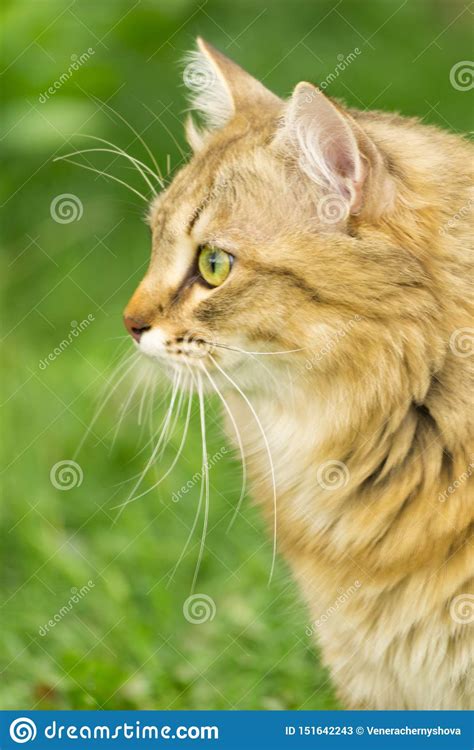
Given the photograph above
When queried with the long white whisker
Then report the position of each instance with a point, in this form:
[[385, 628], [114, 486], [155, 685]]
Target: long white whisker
[[143, 400], [241, 447], [155, 450], [123, 411], [204, 479], [122, 151], [134, 131], [194, 524], [153, 432], [107, 398], [267, 446], [172, 427], [244, 351], [170, 132], [105, 174], [119, 153], [175, 460]]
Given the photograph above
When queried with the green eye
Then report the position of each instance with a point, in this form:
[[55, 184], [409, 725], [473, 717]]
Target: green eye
[[214, 265]]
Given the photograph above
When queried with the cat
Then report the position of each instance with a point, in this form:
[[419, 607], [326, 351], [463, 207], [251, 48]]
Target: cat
[[318, 258]]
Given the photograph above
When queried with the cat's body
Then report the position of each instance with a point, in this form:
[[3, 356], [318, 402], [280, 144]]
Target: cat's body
[[368, 415], [386, 529]]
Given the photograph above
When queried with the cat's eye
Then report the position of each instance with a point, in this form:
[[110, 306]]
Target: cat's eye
[[214, 264]]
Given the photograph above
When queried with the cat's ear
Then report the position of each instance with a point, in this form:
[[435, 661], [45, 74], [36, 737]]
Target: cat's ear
[[323, 139], [219, 88]]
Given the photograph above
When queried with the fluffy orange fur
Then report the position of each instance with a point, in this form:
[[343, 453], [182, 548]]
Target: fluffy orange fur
[[351, 233]]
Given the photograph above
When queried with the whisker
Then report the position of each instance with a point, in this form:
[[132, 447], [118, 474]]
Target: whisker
[[150, 461], [267, 446], [134, 131], [104, 174], [119, 153], [123, 411], [204, 480], [241, 447], [122, 151], [244, 351], [193, 527], [143, 399], [171, 427], [170, 132], [175, 460], [153, 432], [91, 424]]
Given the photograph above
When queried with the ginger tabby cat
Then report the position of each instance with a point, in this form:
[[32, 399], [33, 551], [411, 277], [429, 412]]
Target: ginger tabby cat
[[326, 236]]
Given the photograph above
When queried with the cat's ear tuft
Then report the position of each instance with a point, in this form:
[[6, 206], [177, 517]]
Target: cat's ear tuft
[[321, 136], [195, 135], [219, 88]]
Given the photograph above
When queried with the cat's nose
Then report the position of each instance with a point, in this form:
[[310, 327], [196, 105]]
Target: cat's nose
[[135, 326]]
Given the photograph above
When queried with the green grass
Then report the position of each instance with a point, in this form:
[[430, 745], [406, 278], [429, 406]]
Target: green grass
[[126, 643]]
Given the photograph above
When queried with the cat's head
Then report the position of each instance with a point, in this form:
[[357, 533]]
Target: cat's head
[[258, 242]]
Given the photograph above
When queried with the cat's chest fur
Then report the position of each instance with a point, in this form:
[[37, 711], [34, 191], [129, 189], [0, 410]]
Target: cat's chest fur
[[287, 443]]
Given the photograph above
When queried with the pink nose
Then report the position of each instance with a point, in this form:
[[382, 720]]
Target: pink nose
[[135, 326]]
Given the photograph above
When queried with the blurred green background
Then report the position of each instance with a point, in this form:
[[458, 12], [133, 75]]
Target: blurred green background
[[126, 643]]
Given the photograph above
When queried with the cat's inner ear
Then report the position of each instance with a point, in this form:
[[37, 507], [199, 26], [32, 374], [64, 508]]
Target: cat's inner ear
[[219, 89], [324, 143]]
